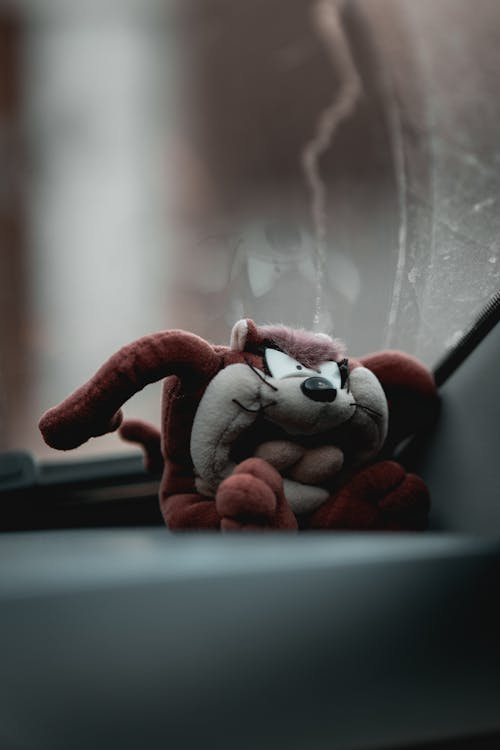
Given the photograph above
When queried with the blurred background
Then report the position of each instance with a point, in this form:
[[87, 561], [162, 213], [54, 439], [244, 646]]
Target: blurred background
[[327, 164]]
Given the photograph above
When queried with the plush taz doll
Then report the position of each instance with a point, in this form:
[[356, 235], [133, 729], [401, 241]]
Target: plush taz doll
[[277, 431]]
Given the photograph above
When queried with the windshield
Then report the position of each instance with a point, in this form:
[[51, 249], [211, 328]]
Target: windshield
[[184, 164]]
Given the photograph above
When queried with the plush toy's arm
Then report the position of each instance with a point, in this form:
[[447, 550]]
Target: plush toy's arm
[[94, 409], [381, 497], [410, 390]]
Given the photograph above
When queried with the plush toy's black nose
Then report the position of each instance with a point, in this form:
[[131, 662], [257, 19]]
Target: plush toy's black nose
[[318, 389]]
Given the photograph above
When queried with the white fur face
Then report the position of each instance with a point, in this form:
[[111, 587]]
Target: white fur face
[[300, 400], [300, 410]]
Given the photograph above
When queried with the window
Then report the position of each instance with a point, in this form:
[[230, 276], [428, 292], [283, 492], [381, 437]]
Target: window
[[185, 164]]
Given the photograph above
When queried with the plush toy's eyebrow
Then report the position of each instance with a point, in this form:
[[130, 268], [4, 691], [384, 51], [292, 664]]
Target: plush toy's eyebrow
[[344, 371], [259, 375], [306, 347], [262, 352], [271, 345]]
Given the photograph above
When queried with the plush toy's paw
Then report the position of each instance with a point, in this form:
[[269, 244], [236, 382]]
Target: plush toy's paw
[[252, 498], [380, 497], [149, 438], [189, 512], [406, 507], [67, 431]]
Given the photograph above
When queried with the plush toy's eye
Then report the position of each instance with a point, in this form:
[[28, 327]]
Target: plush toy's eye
[[281, 365], [332, 371], [344, 373]]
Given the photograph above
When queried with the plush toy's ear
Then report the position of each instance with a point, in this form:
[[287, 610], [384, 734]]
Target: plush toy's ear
[[410, 390], [244, 335], [94, 409]]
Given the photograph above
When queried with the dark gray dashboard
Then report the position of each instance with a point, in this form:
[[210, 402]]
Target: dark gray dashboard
[[142, 639]]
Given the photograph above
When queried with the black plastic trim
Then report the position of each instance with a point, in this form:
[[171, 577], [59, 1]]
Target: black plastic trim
[[486, 320], [113, 491]]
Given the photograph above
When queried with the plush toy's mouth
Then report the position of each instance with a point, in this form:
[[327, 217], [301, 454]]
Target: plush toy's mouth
[[301, 428], [262, 430], [258, 410], [372, 413]]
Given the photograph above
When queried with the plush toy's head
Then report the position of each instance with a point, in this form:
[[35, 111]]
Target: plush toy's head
[[293, 398], [284, 395]]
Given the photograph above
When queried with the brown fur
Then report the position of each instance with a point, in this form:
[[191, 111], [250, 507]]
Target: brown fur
[[377, 496], [307, 348]]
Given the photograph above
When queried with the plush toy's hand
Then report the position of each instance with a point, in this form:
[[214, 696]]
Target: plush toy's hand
[[382, 497], [252, 498], [67, 430], [189, 512]]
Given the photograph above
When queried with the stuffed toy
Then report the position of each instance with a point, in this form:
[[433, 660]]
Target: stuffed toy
[[280, 430]]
